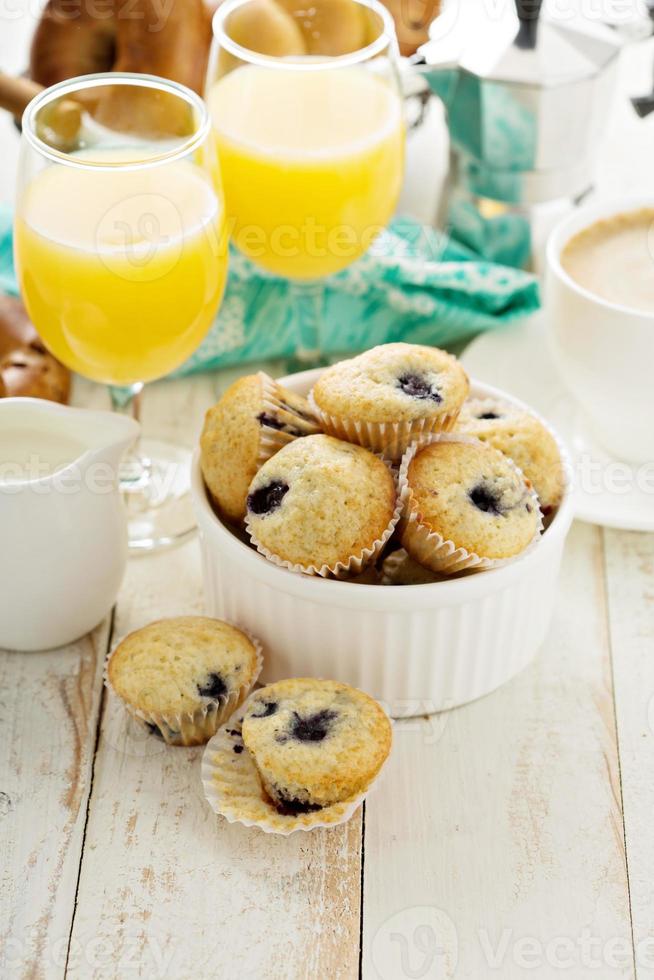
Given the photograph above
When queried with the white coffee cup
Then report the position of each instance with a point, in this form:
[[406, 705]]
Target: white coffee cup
[[604, 351]]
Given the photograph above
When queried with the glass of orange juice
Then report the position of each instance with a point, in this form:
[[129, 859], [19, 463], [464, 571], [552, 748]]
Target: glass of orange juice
[[307, 113], [120, 252]]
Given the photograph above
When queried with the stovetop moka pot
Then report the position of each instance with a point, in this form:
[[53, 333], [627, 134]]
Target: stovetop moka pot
[[527, 93]]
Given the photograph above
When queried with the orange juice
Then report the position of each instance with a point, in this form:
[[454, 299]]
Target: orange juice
[[311, 162], [121, 270]]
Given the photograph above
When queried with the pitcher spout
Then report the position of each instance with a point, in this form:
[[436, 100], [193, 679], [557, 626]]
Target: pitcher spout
[[62, 435], [114, 435]]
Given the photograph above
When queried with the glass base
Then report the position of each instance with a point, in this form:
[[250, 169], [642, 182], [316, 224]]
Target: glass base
[[307, 300], [156, 488]]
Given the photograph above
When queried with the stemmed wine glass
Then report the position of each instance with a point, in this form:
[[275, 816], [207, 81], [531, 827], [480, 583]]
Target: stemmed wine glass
[[311, 142], [120, 252]]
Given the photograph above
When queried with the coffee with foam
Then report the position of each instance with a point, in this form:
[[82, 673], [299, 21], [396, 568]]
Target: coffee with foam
[[614, 259]]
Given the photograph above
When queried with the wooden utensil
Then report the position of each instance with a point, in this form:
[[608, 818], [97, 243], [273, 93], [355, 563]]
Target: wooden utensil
[[60, 124]]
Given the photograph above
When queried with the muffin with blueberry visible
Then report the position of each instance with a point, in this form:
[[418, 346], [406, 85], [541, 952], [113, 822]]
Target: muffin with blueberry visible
[[322, 507], [466, 505], [523, 437], [391, 396], [253, 420], [183, 677], [315, 742]]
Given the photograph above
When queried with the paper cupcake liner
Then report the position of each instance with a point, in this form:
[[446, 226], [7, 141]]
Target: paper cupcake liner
[[192, 727], [354, 565], [281, 404], [430, 548], [390, 439], [234, 789]]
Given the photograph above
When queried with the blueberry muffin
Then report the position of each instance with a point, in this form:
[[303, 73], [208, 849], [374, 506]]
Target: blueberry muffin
[[322, 506], [315, 742], [466, 505], [523, 438], [253, 420], [391, 396], [183, 677]]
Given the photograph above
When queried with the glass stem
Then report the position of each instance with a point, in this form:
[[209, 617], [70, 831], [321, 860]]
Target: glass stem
[[307, 304], [135, 469]]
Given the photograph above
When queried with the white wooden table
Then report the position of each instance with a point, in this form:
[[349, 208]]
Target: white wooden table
[[513, 838]]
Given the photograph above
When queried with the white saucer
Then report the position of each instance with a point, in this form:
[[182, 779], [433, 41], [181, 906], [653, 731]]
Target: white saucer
[[607, 491]]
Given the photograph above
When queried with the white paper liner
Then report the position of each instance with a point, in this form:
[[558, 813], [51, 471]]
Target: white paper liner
[[430, 548], [192, 727], [233, 788], [354, 565], [277, 402], [390, 439], [501, 405]]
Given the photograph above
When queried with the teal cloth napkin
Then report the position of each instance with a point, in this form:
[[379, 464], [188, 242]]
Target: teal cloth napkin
[[416, 284]]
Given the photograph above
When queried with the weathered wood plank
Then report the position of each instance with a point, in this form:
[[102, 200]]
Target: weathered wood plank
[[501, 845], [630, 580], [48, 718], [167, 888]]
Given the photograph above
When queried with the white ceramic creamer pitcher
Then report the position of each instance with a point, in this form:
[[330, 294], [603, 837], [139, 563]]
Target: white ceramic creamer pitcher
[[63, 530]]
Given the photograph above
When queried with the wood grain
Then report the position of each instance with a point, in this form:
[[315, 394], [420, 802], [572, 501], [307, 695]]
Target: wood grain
[[501, 845], [48, 716], [630, 581]]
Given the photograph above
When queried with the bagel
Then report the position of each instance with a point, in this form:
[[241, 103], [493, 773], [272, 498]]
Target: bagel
[[71, 39], [171, 38], [329, 27], [26, 367], [79, 37], [412, 21]]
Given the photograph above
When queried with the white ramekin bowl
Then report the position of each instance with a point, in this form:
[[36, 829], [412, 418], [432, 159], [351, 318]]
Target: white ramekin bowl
[[418, 649]]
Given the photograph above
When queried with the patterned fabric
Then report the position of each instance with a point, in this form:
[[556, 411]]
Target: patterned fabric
[[415, 284]]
